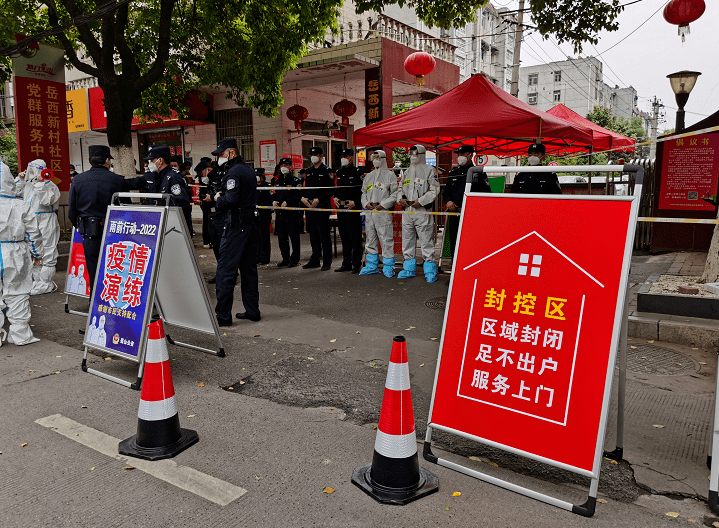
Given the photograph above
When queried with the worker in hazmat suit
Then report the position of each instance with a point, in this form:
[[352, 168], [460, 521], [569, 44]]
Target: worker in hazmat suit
[[17, 225], [43, 196], [416, 195], [378, 194]]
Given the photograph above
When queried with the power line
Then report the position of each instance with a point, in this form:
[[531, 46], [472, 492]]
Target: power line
[[640, 25]]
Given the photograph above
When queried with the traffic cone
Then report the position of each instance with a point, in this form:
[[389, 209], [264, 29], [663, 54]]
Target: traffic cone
[[158, 426], [394, 476]]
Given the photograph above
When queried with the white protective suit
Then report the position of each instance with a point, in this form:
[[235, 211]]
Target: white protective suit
[[379, 186], [17, 225], [43, 197], [100, 335], [420, 184]]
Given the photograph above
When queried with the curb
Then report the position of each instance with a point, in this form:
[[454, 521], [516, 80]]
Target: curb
[[701, 333]]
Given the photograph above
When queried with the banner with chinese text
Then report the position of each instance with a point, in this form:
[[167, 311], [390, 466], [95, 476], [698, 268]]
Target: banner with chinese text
[[41, 112], [123, 296], [532, 325], [690, 172], [77, 282], [77, 116]]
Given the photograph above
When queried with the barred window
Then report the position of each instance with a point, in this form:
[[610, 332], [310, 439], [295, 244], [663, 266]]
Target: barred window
[[237, 123]]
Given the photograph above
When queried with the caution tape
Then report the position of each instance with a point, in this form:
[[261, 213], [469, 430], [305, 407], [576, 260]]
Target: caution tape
[[360, 211], [658, 220]]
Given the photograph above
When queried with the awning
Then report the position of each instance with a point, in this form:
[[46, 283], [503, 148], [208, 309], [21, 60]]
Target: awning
[[602, 139]]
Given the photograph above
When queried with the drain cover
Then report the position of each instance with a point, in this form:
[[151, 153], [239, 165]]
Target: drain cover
[[647, 359], [437, 303]]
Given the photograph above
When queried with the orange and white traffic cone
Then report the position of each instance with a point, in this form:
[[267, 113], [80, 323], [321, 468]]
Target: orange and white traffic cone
[[158, 426], [394, 476]]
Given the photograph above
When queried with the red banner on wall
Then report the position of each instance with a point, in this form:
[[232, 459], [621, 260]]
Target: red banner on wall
[[41, 112], [690, 171]]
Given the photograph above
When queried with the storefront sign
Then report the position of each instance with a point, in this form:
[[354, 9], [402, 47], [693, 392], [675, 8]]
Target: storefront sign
[[121, 301], [296, 160], [373, 96], [690, 171], [77, 118]]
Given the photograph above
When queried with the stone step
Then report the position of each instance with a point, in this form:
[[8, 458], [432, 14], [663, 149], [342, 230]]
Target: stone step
[[680, 330]]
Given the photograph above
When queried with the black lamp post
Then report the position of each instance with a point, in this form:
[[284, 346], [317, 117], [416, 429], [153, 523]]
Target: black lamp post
[[682, 83]]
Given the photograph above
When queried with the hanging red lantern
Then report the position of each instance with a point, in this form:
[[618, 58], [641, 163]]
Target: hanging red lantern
[[345, 109], [419, 64], [682, 12], [297, 114]]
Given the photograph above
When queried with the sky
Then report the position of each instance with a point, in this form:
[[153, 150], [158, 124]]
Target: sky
[[647, 56]]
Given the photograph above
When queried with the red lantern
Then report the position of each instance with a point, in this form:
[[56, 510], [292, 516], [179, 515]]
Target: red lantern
[[419, 64], [682, 12], [297, 114], [345, 109]]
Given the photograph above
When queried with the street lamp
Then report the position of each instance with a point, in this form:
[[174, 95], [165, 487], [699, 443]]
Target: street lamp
[[682, 83]]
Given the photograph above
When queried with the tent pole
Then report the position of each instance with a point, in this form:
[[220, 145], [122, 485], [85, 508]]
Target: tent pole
[[590, 173]]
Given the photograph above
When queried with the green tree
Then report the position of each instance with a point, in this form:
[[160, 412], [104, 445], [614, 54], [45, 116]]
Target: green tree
[[8, 147]]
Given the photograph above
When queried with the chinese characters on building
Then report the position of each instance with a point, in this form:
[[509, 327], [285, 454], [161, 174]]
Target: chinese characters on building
[[373, 96]]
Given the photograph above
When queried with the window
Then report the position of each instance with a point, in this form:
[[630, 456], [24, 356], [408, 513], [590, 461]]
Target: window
[[557, 76], [557, 96], [533, 79], [237, 123], [532, 99]]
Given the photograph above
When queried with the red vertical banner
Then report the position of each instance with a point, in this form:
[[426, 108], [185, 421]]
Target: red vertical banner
[[41, 112]]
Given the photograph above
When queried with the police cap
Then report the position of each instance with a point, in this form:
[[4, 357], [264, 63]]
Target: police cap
[[348, 152], [538, 148], [259, 171], [285, 161], [201, 166], [317, 150], [465, 149], [227, 143], [158, 151], [99, 151]]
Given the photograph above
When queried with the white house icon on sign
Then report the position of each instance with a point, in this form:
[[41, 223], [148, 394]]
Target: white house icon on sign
[[524, 261]]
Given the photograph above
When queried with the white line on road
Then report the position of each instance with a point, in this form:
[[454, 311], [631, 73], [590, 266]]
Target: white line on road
[[186, 478]]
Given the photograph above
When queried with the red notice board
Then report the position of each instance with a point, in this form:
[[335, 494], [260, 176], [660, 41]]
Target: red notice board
[[532, 325], [690, 171]]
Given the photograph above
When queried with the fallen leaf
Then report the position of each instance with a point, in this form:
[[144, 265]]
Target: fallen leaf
[[23, 445], [359, 332], [644, 357], [601, 501], [494, 464], [374, 426], [476, 458], [457, 494], [129, 467], [31, 371], [279, 339], [422, 365], [201, 384], [83, 406], [715, 523], [191, 415], [108, 358], [57, 372], [257, 477], [658, 426], [256, 335], [692, 349], [329, 490], [433, 338], [447, 508], [230, 388], [672, 514], [295, 288], [702, 363], [224, 334], [412, 327], [333, 340], [692, 520], [614, 462], [92, 469], [632, 346], [652, 341], [242, 382], [274, 353], [58, 356], [311, 359]]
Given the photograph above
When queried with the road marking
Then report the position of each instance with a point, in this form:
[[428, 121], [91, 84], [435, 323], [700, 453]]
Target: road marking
[[186, 478]]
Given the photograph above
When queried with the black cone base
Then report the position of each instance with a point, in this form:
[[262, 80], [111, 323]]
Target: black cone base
[[131, 448], [428, 483]]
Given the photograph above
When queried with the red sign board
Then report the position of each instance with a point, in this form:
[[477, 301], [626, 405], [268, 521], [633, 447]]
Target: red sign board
[[532, 325], [690, 171]]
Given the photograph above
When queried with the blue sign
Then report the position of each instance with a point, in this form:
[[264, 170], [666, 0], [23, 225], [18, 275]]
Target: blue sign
[[121, 300]]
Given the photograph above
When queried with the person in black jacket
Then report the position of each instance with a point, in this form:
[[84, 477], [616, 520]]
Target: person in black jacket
[[536, 182], [202, 170], [264, 219], [287, 225], [171, 182], [453, 194], [90, 196], [349, 196], [236, 201], [318, 222]]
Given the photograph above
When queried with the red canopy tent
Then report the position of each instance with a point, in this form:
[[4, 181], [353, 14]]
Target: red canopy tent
[[603, 139], [480, 114]]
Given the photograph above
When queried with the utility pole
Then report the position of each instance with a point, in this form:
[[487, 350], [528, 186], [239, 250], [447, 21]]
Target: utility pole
[[656, 105], [517, 50]]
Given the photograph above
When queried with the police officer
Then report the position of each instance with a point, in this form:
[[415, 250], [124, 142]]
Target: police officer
[[90, 195], [202, 170], [236, 201], [287, 223], [536, 182], [217, 219], [318, 222], [264, 218], [453, 194], [349, 196], [170, 181]]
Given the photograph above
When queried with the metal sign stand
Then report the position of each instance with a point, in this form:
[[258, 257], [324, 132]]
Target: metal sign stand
[[587, 509], [172, 303], [69, 293]]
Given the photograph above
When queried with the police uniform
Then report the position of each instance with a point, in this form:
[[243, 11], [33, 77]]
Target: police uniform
[[536, 182], [287, 223], [175, 184], [454, 191], [349, 182], [90, 195], [264, 219], [204, 206], [318, 222], [238, 249]]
